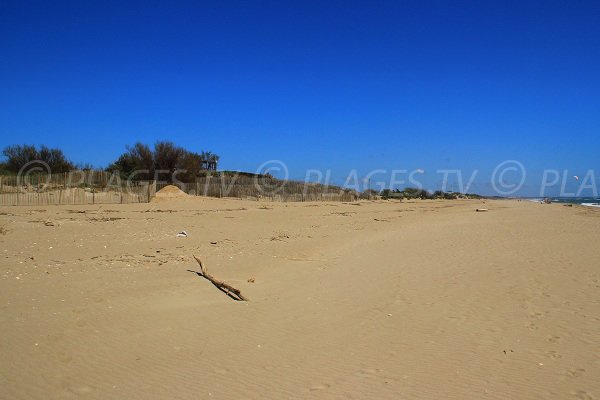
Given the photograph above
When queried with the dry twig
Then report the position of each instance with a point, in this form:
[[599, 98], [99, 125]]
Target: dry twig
[[222, 286]]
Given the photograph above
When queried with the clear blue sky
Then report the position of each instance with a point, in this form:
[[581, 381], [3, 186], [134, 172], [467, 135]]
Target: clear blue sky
[[328, 85]]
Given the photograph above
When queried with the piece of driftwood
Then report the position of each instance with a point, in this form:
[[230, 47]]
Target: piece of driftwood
[[222, 286]]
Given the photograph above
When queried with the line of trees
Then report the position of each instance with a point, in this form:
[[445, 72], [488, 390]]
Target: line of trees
[[144, 162], [413, 193], [138, 160], [18, 157]]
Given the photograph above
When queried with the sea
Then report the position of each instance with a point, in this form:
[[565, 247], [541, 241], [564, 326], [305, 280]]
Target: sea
[[583, 201]]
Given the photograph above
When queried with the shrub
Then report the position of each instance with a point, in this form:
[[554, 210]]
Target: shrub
[[166, 156], [18, 156]]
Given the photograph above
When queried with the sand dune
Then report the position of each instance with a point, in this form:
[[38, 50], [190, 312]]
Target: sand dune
[[423, 299], [169, 192]]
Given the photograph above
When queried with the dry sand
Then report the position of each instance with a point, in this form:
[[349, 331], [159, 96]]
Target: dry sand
[[424, 299], [169, 192]]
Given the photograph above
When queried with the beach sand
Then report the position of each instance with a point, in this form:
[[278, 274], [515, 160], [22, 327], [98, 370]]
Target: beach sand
[[382, 299]]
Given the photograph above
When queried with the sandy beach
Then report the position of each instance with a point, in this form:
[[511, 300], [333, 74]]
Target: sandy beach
[[373, 299]]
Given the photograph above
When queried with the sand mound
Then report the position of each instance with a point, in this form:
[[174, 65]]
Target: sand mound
[[171, 192]]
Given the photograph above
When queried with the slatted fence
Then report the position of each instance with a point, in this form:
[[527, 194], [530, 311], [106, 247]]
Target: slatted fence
[[255, 188], [102, 187], [81, 187]]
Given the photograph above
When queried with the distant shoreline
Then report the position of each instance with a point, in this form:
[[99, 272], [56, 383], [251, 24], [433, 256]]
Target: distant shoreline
[[582, 201]]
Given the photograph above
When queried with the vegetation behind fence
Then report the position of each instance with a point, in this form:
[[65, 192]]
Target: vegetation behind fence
[[102, 187], [248, 186], [76, 187]]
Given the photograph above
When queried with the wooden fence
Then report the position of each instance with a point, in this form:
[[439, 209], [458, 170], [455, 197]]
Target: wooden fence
[[101, 187], [257, 187], [77, 187]]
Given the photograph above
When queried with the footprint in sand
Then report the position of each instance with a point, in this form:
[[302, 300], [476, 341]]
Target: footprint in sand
[[583, 395], [64, 357], [575, 373], [554, 355], [532, 327], [366, 372], [536, 315], [553, 339], [221, 370], [81, 389], [321, 386]]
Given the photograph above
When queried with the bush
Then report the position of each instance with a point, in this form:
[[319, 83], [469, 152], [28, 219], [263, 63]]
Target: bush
[[439, 194], [18, 156], [409, 193], [412, 193], [166, 156]]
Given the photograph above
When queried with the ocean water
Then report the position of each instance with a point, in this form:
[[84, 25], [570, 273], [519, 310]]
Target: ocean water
[[584, 201]]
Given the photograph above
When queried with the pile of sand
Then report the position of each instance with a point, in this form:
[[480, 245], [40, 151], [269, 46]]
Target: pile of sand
[[171, 192]]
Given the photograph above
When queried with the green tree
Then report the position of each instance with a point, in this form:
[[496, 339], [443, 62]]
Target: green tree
[[166, 156], [18, 156]]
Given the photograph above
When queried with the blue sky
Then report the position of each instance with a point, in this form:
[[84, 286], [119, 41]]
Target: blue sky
[[336, 85]]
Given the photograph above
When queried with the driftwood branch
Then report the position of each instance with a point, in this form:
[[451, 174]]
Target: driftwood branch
[[222, 286]]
